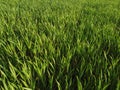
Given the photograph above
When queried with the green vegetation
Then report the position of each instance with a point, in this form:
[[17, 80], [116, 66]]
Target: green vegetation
[[59, 45]]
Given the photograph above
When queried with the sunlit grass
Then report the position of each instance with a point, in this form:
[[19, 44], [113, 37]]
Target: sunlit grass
[[59, 45]]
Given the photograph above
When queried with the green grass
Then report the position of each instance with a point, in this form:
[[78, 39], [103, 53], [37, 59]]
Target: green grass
[[59, 45]]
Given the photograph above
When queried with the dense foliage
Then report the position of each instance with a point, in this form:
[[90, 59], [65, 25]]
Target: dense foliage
[[59, 45]]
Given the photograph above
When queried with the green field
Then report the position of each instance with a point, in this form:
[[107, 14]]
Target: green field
[[59, 44]]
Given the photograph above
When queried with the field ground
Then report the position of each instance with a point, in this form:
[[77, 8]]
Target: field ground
[[59, 44]]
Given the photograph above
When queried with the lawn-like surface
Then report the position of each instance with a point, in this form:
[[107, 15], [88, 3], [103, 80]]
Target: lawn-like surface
[[59, 45]]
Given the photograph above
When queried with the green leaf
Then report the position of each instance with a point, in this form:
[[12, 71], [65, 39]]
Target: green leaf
[[79, 84]]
